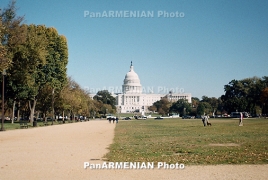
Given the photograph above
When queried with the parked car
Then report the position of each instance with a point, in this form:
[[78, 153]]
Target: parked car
[[61, 118], [157, 118], [140, 117], [110, 116], [6, 118], [127, 118], [144, 117]]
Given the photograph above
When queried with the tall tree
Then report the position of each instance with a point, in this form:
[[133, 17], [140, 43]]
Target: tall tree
[[55, 69], [39, 62], [162, 106], [264, 100], [105, 97], [11, 34], [182, 106], [195, 101], [204, 108], [243, 95], [27, 77], [214, 103]]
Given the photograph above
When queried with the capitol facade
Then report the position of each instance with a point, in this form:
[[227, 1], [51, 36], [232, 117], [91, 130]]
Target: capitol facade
[[132, 98]]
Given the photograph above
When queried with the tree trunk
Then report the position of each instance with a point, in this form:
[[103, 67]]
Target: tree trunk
[[37, 115], [69, 116], [13, 112], [52, 106], [32, 109], [63, 118], [18, 113], [44, 117]]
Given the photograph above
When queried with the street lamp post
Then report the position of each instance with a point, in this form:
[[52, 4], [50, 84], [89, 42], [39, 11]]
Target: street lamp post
[[3, 99]]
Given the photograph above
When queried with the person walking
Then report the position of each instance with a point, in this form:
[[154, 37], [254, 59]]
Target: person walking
[[208, 123], [204, 120], [116, 119]]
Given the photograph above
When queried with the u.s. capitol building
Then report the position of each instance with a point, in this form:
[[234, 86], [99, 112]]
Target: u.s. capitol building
[[132, 99]]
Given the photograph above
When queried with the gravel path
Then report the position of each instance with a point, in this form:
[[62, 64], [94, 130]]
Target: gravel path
[[59, 152]]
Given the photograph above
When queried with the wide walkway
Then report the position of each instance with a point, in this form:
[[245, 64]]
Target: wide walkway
[[59, 152]]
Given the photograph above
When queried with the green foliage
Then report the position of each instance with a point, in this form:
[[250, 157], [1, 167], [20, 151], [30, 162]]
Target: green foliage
[[57, 59], [195, 101], [105, 97], [244, 95], [181, 106], [11, 34], [74, 100], [26, 76], [162, 106], [204, 108], [36, 60], [264, 100]]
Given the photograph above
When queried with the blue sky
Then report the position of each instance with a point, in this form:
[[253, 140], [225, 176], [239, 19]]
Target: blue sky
[[215, 42]]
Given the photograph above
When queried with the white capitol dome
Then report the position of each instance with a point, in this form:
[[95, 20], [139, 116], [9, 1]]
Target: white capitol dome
[[132, 82]]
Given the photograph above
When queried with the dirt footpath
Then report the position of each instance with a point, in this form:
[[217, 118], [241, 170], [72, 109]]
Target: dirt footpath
[[59, 152]]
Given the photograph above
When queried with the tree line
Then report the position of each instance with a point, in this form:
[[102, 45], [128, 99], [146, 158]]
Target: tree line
[[246, 95], [35, 59]]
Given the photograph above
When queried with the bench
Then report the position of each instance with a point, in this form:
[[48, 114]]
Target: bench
[[23, 124]]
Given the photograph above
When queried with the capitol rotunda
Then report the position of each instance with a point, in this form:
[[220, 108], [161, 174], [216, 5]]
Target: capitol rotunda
[[132, 98]]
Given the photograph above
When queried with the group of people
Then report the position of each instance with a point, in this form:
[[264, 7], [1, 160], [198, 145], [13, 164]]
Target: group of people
[[110, 119]]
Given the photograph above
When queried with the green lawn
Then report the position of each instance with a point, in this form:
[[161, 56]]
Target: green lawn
[[189, 142]]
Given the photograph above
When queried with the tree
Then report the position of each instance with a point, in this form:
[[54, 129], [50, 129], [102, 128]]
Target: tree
[[35, 58], [55, 69], [181, 106], [204, 108], [40, 62], [11, 34], [27, 77], [195, 102], [152, 108], [243, 95], [214, 103], [44, 101], [162, 106], [105, 97], [70, 94], [264, 100]]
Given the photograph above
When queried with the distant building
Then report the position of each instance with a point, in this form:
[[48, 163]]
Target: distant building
[[133, 100]]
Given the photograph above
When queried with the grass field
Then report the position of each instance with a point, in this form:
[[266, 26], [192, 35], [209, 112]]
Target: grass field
[[189, 142]]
